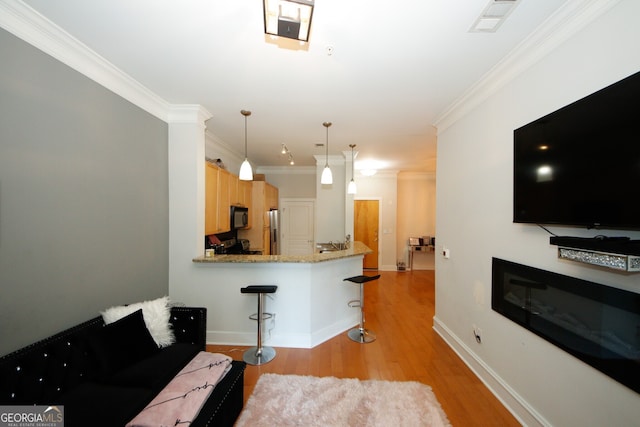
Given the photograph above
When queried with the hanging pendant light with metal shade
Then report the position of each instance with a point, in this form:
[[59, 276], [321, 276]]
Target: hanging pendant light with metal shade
[[327, 177], [351, 189], [246, 173]]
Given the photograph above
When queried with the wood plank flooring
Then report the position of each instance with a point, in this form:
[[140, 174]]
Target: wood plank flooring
[[399, 308]]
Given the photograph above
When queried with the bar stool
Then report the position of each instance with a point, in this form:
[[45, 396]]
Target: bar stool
[[259, 355], [360, 334]]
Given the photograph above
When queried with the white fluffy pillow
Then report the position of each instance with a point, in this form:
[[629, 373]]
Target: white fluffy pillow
[[156, 315]]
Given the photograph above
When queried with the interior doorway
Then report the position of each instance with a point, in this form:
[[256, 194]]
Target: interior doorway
[[366, 219], [297, 226]]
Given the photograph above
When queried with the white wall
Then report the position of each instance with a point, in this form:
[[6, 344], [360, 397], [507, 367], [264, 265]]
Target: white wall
[[542, 384], [416, 215], [330, 202], [292, 182], [383, 187]]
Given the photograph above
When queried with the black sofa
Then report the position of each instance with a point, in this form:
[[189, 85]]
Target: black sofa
[[65, 369]]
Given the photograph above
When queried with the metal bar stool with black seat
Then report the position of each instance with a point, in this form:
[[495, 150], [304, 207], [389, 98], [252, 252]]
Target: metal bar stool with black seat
[[259, 355], [360, 334]]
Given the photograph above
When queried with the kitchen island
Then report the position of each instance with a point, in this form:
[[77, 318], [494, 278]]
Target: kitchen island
[[309, 307], [357, 249]]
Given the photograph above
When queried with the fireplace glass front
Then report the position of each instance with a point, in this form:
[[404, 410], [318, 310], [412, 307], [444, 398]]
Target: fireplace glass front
[[598, 324]]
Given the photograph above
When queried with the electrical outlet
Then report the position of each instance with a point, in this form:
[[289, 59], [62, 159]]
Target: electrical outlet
[[477, 333]]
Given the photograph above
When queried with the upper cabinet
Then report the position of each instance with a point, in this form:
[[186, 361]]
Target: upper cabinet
[[271, 197], [244, 193], [239, 192], [224, 200], [211, 225], [264, 198], [222, 190]]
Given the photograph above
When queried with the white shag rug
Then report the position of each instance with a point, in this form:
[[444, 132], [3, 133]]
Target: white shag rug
[[293, 400]]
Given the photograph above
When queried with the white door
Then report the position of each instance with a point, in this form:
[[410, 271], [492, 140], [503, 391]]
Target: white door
[[297, 226]]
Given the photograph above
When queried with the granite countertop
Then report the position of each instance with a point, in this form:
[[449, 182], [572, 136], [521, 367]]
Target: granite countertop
[[356, 249]]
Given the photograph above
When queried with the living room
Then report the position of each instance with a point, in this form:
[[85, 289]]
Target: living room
[[66, 253]]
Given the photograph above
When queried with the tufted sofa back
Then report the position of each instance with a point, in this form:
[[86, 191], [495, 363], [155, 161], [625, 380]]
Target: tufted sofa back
[[40, 372]]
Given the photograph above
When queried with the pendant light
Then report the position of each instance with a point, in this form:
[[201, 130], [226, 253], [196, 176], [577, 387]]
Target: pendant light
[[327, 177], [351, 189], [246, 173]]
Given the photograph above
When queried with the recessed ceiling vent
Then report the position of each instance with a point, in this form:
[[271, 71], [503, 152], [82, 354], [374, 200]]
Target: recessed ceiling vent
[[493, 15]]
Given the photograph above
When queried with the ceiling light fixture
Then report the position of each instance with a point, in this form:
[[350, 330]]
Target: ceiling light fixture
[[351, 189], [285, 152], [493, 15], [288, 18], [246, 173], [327, 177]]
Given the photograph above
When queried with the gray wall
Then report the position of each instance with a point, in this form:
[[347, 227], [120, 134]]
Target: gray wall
[[83, 198]]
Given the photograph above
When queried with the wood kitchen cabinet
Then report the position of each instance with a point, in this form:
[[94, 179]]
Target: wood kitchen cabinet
[[222, 190], [244, 193], [210, 199], [264, 198], [239, 192], [224, 200], [271, 195], [234, 197], [217, 203]]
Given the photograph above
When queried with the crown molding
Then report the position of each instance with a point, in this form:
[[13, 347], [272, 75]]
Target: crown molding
[[559, 27], [287, 170], [221, 149], [27, 24], [188, 113], [333, 159]]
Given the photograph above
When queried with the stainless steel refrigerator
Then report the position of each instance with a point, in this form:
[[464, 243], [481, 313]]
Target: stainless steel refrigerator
[[274, 226]]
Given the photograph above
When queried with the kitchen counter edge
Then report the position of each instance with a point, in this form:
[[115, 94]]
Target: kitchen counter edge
[[356, 249]]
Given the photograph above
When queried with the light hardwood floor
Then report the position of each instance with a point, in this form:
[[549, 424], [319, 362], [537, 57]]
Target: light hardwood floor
[[399, 308]]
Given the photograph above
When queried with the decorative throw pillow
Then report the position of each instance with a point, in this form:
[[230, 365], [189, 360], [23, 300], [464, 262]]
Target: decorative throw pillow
[[122, 343], [156, 315]]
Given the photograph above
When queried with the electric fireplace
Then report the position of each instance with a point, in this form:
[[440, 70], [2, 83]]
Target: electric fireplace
[[598, 324]]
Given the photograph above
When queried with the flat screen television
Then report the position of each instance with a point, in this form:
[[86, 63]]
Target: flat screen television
[[580, 165]]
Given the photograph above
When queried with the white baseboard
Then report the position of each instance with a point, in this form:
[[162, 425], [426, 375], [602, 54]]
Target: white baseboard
[[335, 329], [521, 410], [283, 340]]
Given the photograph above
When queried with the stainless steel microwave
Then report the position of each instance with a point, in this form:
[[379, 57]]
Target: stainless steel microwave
[[239, 217]]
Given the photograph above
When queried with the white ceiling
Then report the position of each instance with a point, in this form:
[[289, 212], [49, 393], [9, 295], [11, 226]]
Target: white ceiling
[[395, 67]]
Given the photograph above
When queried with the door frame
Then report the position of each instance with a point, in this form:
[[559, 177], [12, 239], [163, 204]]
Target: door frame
[[282, 205], [379, 200]]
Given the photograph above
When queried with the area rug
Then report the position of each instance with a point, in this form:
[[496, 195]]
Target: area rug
[[292, 400]]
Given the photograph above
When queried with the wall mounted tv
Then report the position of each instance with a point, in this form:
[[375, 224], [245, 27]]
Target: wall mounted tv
[[580, 165]]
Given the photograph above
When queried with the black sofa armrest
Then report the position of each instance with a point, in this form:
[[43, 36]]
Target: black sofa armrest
[[226, 401], [190, 325], [42, 371]]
